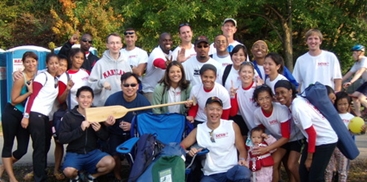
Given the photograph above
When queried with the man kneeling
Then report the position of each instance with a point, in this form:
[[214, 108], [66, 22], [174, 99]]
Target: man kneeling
[[222, 138], [81, 136]]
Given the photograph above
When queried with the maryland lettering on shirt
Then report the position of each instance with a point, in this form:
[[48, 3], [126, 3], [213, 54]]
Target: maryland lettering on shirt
[[315, 109], [323, 64], [221, 135], [133, 56], [112, 72]]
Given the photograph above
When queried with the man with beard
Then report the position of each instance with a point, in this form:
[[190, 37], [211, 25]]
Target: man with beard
[[193, 65], [86, 42], [158, 60]]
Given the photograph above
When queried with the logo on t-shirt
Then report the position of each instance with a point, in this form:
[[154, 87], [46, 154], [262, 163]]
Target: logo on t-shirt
[[221, 135], [273, 122], [196, 72], [323, 64]]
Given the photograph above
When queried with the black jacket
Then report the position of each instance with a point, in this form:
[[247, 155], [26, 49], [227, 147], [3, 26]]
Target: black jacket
[[79, 141], [88, 61]]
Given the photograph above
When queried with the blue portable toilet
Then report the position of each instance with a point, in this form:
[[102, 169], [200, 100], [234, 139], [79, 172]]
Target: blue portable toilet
[[91, 49], [13, 58], [2, 81]]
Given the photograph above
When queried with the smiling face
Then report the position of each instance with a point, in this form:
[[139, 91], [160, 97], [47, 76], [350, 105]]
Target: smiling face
[[247, 74], [213, 112], [229, 29], [85, 99], [284, 96], [313, 42], [185, 34], [270, 67], [208, 79], [175, 74], [221, 43], [30, 64], [77, 60], [259, 50], [114, 44], [264, 100], [130, 38], [53, 65], [165, 42], [130, 88], [238, 58], [63, 66], [343, 105]]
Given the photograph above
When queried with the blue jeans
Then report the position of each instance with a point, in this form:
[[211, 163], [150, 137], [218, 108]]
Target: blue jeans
[[236, 174]]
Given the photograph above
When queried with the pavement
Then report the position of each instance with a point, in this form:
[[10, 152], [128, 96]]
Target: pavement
[[361, 141]]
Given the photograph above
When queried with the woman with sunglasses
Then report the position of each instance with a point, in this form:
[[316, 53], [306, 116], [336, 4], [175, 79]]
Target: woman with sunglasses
[[72, 79], [241, 97], [13, 114], [276, 119], [37, 110], [321, 138], [173, 87]]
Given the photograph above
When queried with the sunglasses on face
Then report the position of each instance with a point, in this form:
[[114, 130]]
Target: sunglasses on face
[[87, 41], [202, 46], [212, 136], [129, 33], [129, 85]]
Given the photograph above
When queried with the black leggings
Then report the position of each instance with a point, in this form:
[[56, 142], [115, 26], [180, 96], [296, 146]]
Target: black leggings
[[320, 160], [40, 130], [11, 129]]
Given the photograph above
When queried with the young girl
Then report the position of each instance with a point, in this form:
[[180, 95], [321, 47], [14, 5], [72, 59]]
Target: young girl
[[261, 165], [338, 161], [273, 66], [277, 120], [173, 87], [321, 138]]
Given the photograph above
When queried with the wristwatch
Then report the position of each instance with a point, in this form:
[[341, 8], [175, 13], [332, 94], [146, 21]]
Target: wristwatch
[[26, 115]]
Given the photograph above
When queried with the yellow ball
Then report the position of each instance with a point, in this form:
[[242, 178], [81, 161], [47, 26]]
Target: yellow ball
[[355, 125]]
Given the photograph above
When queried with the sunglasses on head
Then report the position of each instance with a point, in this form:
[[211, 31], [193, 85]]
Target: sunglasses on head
[[183, 24], [129, 85], [129, 33], [89, 41]]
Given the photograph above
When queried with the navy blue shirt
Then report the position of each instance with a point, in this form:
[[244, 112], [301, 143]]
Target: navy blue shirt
[[118, 99]]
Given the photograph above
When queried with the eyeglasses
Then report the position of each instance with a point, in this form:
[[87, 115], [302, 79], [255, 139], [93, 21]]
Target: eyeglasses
[[200, 46], [212, 136], [130, 85], [129, 33], [89, 41]]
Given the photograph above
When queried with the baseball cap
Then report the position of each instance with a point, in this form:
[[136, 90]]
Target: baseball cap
[[230, 19], [201, 39], [214, 99], [358, 47]]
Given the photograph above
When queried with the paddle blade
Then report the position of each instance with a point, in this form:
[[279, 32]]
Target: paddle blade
[[100, 114]]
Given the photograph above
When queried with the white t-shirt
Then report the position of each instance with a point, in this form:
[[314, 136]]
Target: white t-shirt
[[223, 153], [201, 95], [323, 68], [213, 50], [246, 105], [223, 60], [272, 123], [262, 71], [305, 115], [358, 65], [271, 84], [174, 95], [188, 52], [80, 78], [135, 56], [154, 74], [232, 76], [192, 69], [346, 117]]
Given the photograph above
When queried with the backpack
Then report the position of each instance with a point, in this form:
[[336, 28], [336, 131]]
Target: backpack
[[146, 150], [225, 74]]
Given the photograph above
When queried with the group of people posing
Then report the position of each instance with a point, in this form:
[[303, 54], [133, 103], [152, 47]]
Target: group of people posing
[[249, 106]]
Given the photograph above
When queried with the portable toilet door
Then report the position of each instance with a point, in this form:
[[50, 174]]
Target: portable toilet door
[[3, 99], [93, 50], [14, 61]]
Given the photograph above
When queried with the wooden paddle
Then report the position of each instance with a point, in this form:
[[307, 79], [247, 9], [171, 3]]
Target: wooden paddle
[[100, 114]]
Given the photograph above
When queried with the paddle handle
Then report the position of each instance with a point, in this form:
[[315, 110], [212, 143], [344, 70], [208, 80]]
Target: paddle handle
[[158, 105]]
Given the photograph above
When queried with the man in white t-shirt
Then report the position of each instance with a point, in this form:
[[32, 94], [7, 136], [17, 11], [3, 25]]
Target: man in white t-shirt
[[158, 60], [186, 49], [229, 28], [222, 54], [136, 56], [317, 65], [193, 65], [359, 69]]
